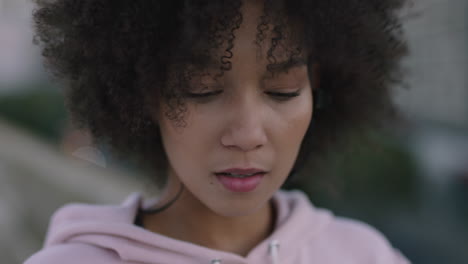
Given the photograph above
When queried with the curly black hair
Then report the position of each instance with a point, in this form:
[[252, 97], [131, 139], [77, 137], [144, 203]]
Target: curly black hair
[[120, 58]]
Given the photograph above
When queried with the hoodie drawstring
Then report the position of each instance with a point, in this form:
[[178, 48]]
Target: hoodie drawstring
[[273, 250], [216, 261]]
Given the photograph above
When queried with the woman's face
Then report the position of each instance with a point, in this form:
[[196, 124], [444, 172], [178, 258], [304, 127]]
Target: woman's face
[[245, 120]]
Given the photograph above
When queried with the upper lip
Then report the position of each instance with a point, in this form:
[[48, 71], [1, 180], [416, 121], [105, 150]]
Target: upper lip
[[241, 171]]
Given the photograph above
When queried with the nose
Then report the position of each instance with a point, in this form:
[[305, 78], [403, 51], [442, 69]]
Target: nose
[[244, 126]]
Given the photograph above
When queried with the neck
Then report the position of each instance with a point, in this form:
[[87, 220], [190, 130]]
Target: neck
[[189, 220]]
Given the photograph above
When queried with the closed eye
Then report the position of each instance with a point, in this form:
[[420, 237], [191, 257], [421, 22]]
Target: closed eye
[[277, 95], [283, 96], [204, 95]]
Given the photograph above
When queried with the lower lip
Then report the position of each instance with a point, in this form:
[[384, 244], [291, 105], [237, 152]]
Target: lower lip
[[241, 184]]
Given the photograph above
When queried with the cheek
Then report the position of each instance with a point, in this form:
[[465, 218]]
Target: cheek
[[296, 120], [189, 142], [296, 117], [304, 117]]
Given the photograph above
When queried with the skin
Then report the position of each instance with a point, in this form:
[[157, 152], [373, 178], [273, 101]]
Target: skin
[[244, 126]]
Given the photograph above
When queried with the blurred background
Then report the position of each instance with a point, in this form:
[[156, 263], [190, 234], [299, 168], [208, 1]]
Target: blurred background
[[413, 187]]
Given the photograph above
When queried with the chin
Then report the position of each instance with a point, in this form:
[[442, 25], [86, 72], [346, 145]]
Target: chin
[[240, 206]]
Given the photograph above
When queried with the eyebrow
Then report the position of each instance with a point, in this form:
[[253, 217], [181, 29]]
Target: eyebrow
[[284, 66], [274, 68]]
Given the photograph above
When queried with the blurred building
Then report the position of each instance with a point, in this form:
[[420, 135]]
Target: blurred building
[[437, 33], [436, 102], [18, 56]]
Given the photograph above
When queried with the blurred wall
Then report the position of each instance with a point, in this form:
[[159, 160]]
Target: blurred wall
[[19, 62], [437, 34]]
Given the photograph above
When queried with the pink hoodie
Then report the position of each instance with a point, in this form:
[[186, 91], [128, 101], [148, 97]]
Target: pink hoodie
[[105, 234]]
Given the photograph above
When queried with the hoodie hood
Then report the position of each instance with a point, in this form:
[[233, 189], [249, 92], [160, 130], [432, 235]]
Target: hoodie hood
[[111, 228], [106, 234]]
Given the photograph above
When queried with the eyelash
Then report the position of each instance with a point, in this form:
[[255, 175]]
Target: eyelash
[[203, 95], [277, 95], [283, 96]]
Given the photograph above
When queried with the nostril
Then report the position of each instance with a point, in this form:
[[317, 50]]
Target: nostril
[[244, 148], [244, 140]]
